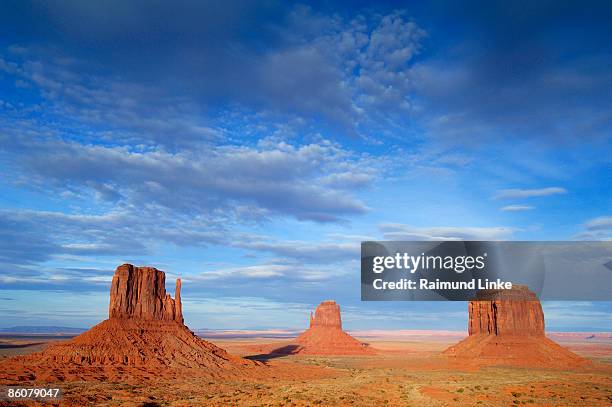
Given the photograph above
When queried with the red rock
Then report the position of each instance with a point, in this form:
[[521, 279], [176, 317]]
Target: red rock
[[506, 327], [327, 314], [506, 312], [325, 335], [140, 293], [144, 337]]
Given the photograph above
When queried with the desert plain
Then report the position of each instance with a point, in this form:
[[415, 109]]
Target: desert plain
[[407, 370]]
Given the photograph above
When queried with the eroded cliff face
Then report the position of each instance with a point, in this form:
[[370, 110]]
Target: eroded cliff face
[[506, 312], [327, 314], [140, 293]]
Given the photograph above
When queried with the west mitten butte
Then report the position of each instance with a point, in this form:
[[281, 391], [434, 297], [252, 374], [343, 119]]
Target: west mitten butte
[[143, 337]]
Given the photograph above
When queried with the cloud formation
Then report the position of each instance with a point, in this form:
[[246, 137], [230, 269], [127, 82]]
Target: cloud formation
[[529, 193], [311, 252], [600, 223], [353, 73], [308, 182], [394, 231], [599, 228], [517, 208]]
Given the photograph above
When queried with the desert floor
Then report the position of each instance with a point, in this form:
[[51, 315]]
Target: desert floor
[[405, 372]]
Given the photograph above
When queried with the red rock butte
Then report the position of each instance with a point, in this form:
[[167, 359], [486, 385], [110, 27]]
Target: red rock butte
[[140, 293], [506, 327], [144, 337], [325, 335], [506, 312]]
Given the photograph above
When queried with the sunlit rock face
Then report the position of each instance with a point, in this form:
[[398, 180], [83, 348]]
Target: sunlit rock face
[[506, 312], [327, 314], [140, 293]]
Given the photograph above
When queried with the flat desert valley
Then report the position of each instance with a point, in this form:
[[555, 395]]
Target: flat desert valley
[[406, 370]]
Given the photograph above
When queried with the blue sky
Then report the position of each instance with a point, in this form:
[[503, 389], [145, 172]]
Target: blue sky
[[248, 148]]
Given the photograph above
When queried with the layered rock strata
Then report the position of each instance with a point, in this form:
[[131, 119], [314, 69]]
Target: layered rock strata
[[140, 293], [506, 312]]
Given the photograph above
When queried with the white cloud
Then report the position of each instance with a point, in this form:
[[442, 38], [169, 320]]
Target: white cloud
[[250, 272], [308, 182], [529, 193], [301, 250], [517, 208], [359, 71], [277, 270], [599, 228], [571, 314], [600, 223], [395, 231], [350, 72]]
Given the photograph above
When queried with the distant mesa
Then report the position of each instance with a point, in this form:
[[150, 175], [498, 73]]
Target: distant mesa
[[506, 327], [43, 330], [144, 337], [325, 335]]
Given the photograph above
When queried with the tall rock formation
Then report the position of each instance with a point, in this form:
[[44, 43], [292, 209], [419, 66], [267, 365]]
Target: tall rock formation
[[144, 337], [325, 335], [327, 314], [140, 293], [506, 327], [506, 312]]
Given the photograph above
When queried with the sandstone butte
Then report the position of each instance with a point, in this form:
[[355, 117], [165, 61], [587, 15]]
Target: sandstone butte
[[144, 337], [325, 335], [506, 327]]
